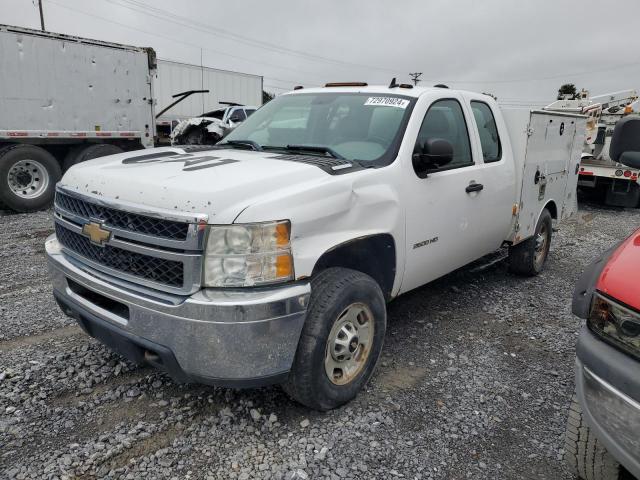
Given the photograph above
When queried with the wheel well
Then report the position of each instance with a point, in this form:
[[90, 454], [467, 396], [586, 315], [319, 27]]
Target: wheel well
[[553, 210], [373, 255]]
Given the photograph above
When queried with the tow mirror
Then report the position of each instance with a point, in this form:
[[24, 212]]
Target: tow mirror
[[625, 142], [434, 153]]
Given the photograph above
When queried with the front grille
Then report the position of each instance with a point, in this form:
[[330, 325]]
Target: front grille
[[159, 270], [132, 222]]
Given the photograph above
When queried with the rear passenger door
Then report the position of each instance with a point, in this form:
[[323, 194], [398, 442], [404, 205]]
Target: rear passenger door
[[442, 224], [496, 172]]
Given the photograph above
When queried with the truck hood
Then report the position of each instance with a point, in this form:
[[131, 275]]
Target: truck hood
[[219, 183], [619, 276]]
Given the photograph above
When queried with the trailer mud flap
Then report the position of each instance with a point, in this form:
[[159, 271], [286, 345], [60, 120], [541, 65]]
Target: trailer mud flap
[[623, 193]]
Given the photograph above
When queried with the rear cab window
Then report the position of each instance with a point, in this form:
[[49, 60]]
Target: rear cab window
[[487, 131]]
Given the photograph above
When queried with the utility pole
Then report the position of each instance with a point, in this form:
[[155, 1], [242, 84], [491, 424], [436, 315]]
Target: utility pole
[[415, 77], [41, 15]]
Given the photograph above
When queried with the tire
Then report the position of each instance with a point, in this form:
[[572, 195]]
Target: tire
[[529, 257], [584, 454], [82, 153], [337, 294], [28, 177]]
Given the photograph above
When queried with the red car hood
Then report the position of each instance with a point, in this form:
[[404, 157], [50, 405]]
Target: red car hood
[[620, 278]]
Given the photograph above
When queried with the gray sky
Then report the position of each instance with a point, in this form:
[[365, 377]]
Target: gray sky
[[520, 50]]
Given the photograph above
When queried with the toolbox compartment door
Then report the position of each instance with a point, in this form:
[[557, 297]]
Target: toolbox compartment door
[[550, 168]]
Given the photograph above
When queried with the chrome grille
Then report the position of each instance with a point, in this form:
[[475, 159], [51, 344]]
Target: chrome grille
[[152, 248], [128, 221], [154, 269]]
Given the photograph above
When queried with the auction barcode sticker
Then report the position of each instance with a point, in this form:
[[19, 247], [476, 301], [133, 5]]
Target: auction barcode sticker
[[387, 102]]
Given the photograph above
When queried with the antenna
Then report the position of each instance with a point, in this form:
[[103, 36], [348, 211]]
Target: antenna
[[202, 79], [415, 77], [41, 14]]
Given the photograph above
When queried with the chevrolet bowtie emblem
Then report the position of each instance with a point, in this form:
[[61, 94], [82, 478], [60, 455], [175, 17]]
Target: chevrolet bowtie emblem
[[96, 233]]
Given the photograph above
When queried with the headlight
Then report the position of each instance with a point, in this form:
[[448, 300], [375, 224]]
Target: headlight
[[248, 255], [616, 324]]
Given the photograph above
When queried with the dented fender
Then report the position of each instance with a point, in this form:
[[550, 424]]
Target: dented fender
[[329, 214]]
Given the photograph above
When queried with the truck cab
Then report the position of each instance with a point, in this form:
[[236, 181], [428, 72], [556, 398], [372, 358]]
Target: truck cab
[[270, 257]]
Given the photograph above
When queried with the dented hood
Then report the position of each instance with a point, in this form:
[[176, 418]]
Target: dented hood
[[219, 183]]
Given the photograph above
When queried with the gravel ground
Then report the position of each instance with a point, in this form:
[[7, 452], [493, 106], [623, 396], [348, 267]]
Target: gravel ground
[[474, 383]]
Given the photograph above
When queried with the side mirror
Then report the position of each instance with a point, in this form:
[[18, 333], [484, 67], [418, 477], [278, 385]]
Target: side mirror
[[434, 153], [625, 142]]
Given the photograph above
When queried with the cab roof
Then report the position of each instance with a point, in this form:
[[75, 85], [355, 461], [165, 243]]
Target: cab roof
[[412, 91]]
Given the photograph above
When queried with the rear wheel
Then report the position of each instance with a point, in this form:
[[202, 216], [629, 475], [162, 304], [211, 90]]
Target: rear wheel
[[341, 340], [528, 257], [584, 454], [28, 175], [82, 153]]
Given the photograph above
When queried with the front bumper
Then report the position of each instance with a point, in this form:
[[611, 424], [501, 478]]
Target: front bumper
[[239, 338], [608, 388]]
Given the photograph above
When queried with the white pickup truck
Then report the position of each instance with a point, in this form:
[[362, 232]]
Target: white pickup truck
[[269, 258]]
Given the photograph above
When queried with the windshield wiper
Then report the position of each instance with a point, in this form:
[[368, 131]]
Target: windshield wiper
[[316, 148], [243, 143]]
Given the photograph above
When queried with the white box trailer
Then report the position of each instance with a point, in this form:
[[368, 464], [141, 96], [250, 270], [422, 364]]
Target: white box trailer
[[66, 99], [223, 85], [59, 87]]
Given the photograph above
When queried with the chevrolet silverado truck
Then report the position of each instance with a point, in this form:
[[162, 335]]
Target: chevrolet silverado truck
[[602, 441], [270, 257]]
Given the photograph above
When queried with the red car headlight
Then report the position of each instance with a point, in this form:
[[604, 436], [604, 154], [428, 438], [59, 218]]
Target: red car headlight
[[615, 323]]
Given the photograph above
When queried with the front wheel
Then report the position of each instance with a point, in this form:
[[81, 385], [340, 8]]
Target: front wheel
[[341, 340], [584, 454], [528, 257]]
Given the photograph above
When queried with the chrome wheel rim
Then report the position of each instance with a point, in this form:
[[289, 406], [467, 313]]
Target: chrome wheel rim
[[349, 344], [28, 178], [542, 245]]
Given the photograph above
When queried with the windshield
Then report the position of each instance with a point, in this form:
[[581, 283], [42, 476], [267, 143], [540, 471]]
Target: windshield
[[354, 126]]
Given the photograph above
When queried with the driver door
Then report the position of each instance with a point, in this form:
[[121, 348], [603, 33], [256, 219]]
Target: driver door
[[442, 209]]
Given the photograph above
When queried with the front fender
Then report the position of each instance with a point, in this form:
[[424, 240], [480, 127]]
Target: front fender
[[328, 214]]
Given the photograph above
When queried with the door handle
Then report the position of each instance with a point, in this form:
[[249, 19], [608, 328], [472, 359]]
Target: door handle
[[474, 187]]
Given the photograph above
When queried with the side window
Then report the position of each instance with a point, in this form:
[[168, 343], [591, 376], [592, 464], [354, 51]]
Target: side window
[[249, 111], [488, 131], [445, 120], [238, 115]]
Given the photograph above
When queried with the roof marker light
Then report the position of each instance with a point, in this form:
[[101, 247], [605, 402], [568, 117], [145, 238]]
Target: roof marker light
[[347, 84]]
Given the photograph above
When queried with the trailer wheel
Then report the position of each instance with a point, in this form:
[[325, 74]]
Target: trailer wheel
[[82, 153], [28, 176], [584, 454], [341, 340], [528, 257]]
